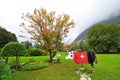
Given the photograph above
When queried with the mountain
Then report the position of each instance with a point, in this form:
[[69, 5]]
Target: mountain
[[114, 18]]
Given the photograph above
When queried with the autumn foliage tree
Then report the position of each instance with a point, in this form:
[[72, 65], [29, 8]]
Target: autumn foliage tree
[[48, 29]]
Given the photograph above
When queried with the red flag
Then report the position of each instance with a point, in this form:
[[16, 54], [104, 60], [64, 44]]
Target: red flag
[[80, 57]]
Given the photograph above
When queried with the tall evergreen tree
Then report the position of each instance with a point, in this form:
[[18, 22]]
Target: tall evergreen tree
[[6, 37]]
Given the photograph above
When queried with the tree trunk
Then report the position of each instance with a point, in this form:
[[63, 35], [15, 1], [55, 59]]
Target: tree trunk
[[6, 60], [52, 54], [17, 62], [51, 58]]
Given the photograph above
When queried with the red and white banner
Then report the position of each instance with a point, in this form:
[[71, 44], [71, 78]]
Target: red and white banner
[[80, 57]]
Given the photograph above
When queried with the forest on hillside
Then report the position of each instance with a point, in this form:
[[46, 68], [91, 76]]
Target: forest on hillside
[[114, 18]]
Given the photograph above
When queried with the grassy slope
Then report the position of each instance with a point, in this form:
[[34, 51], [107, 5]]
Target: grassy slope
[[108, 68]]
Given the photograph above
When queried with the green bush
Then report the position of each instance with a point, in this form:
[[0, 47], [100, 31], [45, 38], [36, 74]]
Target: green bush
[[13, 48], [33, 66], [5, 72], [24, 53], [34, 52], [13, 65]]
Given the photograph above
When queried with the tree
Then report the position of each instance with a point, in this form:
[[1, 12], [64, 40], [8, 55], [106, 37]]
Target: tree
[[27, 44], [72, 46], [48, 29], [104, 37], [83, 45], [6, 37], [13, 48]]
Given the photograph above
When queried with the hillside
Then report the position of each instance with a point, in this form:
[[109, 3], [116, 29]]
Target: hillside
[[114, 18]]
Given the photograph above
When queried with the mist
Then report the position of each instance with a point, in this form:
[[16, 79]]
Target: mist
[[84, 13]]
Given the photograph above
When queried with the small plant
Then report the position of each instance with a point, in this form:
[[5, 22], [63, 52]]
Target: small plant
[[13, 66], [33, 66], [5, 72]]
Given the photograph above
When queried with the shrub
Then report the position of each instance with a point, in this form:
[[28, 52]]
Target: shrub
[[5, 72], [13, 48], [33, 66], [13, 65], [34, 52]]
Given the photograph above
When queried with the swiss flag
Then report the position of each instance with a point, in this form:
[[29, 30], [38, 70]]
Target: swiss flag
[[80, 57]]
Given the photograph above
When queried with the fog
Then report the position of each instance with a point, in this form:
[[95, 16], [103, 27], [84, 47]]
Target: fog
[[83, 12]]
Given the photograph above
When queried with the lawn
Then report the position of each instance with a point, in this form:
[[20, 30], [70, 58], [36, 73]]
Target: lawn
[[108, 68]]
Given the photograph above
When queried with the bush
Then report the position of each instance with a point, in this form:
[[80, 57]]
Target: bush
[[13, 48], [34, 52], [5, 72], [13, 65], [33, 66], [24, 53]]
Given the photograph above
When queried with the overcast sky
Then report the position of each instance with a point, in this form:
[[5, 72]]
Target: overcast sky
[[83, 12]]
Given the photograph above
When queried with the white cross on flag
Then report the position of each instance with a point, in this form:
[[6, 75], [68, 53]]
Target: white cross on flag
[[80, 57]]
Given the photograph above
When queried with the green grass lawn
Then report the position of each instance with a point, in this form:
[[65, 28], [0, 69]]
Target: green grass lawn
[[108, 68]]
